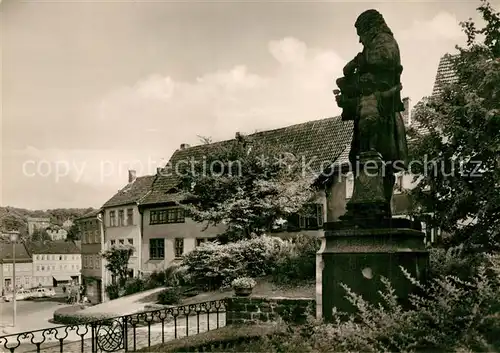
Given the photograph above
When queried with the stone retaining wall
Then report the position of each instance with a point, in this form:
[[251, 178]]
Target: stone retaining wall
[[251, 310]]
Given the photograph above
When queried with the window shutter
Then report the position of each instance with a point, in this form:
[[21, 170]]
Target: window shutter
[[319, 214]]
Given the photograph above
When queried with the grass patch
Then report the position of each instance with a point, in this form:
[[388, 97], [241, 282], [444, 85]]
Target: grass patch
[[222, 338]]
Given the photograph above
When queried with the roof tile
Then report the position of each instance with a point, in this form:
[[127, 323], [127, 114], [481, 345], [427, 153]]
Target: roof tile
[[53, 247], [318, 143], [132, 192]]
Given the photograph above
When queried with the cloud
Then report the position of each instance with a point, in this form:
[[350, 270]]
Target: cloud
[[443, 26], [236, 99]]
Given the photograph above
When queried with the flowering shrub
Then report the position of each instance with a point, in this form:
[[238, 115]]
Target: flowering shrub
[[214, 265], [243, 282]]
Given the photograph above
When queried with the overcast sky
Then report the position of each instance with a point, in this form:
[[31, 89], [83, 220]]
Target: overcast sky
[[91, 89]]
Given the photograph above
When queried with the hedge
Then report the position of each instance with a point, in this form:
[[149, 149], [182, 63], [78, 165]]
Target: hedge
[[227, 336], [72, 315]]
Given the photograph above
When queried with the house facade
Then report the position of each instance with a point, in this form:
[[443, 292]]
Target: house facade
[[123, 221], [56, 263], [23, 263], [56, 232], [92, 264], [37, 223]]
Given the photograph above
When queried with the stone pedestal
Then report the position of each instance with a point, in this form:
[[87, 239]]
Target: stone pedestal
[[368, 200], [358, 255]]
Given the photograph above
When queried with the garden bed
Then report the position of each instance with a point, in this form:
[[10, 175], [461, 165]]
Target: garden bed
[[73, 315]]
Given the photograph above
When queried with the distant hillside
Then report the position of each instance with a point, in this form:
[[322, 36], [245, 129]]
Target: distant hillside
[[16, 218]]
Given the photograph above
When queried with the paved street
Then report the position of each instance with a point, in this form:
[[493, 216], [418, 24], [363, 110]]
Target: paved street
[[30, 315]]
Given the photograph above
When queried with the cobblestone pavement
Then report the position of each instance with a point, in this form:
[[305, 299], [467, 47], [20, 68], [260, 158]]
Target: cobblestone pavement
[[108, 338]]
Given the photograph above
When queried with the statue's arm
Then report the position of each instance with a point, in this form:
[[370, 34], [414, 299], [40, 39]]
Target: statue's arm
[[352, 65], [392, 91]]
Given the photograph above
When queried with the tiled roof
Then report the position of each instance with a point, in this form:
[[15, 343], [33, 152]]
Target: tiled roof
[[90, 214], [6, 252], [132, 192], [53, 247], [445, 73], [320, 142]]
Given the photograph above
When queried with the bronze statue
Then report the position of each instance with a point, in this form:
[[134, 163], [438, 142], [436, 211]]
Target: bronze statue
[[370, 95]]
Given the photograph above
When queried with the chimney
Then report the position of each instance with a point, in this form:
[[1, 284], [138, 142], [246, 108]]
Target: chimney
[[131, 175], [158, 170], [237, 135], [184, 146], [407, 112]]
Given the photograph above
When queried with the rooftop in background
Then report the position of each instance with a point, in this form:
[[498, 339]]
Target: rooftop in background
[[320, 141], [133, 192], [91, 214], [53, 247], [22, 254], [445, 73]]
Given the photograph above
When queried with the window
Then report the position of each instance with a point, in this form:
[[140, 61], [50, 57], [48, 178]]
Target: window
[[91, 262], [121, 218], [130, 241], [60, 257], [157, 248], [349, 185], [112, 219], [43, 268], [170, 215], [38, 268], [398, 186], [313, 217], [113, 242], [200, 241], [310, 218], [130, 216], [97, 262], [179, 247], [121, 241]]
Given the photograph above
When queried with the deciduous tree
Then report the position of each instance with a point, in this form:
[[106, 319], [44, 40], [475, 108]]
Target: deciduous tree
[[462, 147]]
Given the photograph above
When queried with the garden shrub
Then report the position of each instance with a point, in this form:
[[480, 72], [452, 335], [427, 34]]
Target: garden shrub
[[135, 285], [298, 261], [170, 296], [213, 265], [113, 291], [73, 315]]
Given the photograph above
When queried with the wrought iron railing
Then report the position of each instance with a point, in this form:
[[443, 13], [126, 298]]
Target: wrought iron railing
[[124, 333]]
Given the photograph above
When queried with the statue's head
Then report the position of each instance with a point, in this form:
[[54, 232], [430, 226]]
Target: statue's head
[[370, 23]]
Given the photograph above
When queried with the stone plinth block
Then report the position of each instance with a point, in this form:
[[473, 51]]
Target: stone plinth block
[[359, 257], [368, 195]]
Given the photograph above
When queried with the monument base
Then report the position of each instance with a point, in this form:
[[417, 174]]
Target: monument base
[[359, 256]]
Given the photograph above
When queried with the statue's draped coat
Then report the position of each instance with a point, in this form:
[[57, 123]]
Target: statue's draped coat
[[381, 58]]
